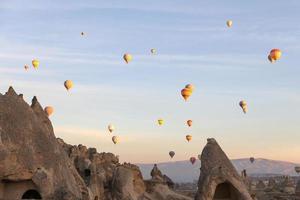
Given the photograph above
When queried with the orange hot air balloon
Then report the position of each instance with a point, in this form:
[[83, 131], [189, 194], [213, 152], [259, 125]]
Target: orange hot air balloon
[[186, 93], [49, 110], [190, 86], [127, 57], [189, 123], [193, 160], [68, 84], [188, 138], [275, 54]]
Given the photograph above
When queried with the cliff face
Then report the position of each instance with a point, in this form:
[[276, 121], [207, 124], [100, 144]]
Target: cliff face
[[36, 165]]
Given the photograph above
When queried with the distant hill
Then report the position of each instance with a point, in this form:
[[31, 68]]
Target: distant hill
[[183, 171]]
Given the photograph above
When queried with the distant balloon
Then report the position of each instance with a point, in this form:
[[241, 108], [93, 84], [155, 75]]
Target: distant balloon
[[193, 160], [186, 93], [189, 123], [199, 156], [160, 122], [68, 84], [127, 57], [153, 51], [244, 106], [271, 59], [35, 64], [188, 137], [190, 86], [252, 160], [115, 139], [229, 23], [111, 128], [26, 67], [172, 154], [49, 110], [275, 54], [82, 33], [297, 169]]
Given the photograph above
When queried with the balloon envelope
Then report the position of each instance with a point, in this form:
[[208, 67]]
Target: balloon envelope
[[244, 106], [193, 160], [160, 122], [252, 160], [127, 57], [189, 123], [188, 137], [275, 54], [172, 154], [115, 139], [35, 63], [229, 23], [111, 128], [68, 84], [186, 93], [49, 110]]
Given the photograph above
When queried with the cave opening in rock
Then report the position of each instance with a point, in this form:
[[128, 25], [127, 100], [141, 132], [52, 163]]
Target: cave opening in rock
[[226, 191], [31, 194], [87, 172]]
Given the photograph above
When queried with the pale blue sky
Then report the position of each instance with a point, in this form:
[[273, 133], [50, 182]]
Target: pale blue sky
[[194, 46]]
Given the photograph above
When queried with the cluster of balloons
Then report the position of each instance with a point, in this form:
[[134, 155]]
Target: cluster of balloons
[[115, 139], [274, 55]]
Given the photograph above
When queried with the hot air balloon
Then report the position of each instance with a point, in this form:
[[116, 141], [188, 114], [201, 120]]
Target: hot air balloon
[[275, 54], [199, 156], [153, 51], [35, 64], [189, 123], [68, 84], [115, 139], [127, 57], [229, 23], [49, 110], [172, 154], [82, 33], [188, 137], [26, 67], [111, 128], [244, 106], [271, 59], [186, 93], [193, 160], [252, 160], [297, 169], [190, 86], [160, 122]]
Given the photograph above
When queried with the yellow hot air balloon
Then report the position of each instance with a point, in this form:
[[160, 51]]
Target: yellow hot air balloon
[[229, 23], [26, 67], [190, 86], [115, 139], [189, 123], [111, 128], [68, 84], [244, 106], [153, 51], [49, 110], [127, 57], [275, 54], [35, 64], [186, 93], [271, 59], [188, 137], [160, 122]]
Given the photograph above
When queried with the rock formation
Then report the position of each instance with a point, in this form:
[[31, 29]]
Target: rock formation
[[36, 165], [218, 178]]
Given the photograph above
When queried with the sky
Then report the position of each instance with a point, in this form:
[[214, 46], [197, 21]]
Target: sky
[[193, 45]]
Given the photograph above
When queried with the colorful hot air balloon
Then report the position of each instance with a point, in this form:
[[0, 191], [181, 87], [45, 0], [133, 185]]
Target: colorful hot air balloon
[[189, 123], [275, 54], [271, 59], [229, 23], [127, 57], [172, 154], [252, 160], [186, 93], [244, 106], [153, 51], [199, 156], [160, 122], [297, 169], [115, 139], [68, 84], [49, 110], [190, 86], [188, 137], [193, 160], [111, 128], [26, 67], [35, 64]]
